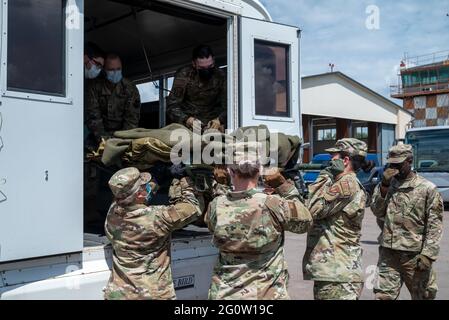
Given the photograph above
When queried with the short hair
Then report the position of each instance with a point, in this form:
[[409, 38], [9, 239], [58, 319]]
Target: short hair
[[246, 169], [357, 162], [93, 51], [113, 56], [202, 52]]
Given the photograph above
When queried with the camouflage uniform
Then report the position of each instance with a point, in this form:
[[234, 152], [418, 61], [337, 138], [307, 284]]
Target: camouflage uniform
[[333, 257], [191, 97], [111, 107], [140, 237], [248, 229], [412, 211]]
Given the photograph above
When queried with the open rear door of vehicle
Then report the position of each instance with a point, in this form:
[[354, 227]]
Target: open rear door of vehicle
[[41, 161], [269, 76]]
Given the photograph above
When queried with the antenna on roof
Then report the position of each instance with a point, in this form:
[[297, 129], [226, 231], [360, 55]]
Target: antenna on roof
[[331, 66]]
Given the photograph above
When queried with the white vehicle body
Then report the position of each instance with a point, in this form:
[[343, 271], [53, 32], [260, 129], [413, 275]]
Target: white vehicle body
[[431, 155], [44, 252]]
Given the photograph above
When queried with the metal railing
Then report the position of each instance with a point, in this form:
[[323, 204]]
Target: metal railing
[[401, 90], [436, 57]]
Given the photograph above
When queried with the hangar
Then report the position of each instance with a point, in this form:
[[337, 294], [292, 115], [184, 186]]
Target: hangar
[[335, 106]]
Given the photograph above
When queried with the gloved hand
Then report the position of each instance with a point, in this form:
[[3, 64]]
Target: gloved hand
[[96, 151], [388, 176], [193, 123], [423, 263], [274, 178], [213, 124], [221, 175], [189, 122], [335, 168]]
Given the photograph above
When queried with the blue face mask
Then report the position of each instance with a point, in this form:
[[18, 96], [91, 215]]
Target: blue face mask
[[149, 193], [92, 73], [114, 76]]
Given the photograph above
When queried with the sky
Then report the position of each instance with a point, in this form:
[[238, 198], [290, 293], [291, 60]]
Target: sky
[[348, 34]]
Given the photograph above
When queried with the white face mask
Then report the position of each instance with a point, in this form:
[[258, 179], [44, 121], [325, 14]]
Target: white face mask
[[92, 73], [114, 76]]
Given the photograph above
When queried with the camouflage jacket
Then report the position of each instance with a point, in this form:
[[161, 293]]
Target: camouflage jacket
[[248, 229], [190, 97], [333, 250], [111, 108], [412, 211], [140, 238]]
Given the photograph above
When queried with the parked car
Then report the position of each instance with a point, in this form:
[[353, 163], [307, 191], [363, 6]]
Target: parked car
[[373, 180], [324, 158]]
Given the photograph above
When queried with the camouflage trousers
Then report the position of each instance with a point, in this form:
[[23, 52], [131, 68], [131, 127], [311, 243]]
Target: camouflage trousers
[[396, 267], [324, 290]]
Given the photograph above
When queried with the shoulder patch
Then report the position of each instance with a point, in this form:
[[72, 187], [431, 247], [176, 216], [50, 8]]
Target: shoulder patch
[[343, 188], [333, 193], [272, 202], [276, 207], [346, 188]]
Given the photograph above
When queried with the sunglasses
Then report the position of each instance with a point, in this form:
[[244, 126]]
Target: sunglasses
[[395, 165]]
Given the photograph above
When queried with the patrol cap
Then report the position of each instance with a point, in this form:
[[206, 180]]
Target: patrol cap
[[127, 181], [399, 153], [352, 146]]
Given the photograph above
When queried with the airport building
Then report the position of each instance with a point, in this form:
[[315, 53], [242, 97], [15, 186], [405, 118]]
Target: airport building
[[423, 85]]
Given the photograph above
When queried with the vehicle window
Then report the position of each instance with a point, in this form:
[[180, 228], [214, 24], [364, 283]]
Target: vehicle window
[[36, 46], [430, 149], [149, 91], [271, 79]]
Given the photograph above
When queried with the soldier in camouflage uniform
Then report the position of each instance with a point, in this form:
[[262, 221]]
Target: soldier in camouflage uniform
[[140, 235], [248, 228], [113, 103], [411, 209], [333, 257], [199, 93]]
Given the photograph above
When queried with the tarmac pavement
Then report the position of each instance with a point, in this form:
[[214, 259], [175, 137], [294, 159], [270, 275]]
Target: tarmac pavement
[[303, 290]]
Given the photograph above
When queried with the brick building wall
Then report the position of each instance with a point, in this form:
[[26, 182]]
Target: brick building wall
[[429, 110]]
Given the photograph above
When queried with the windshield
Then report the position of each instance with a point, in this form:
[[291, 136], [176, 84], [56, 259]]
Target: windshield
[[430, 150]]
